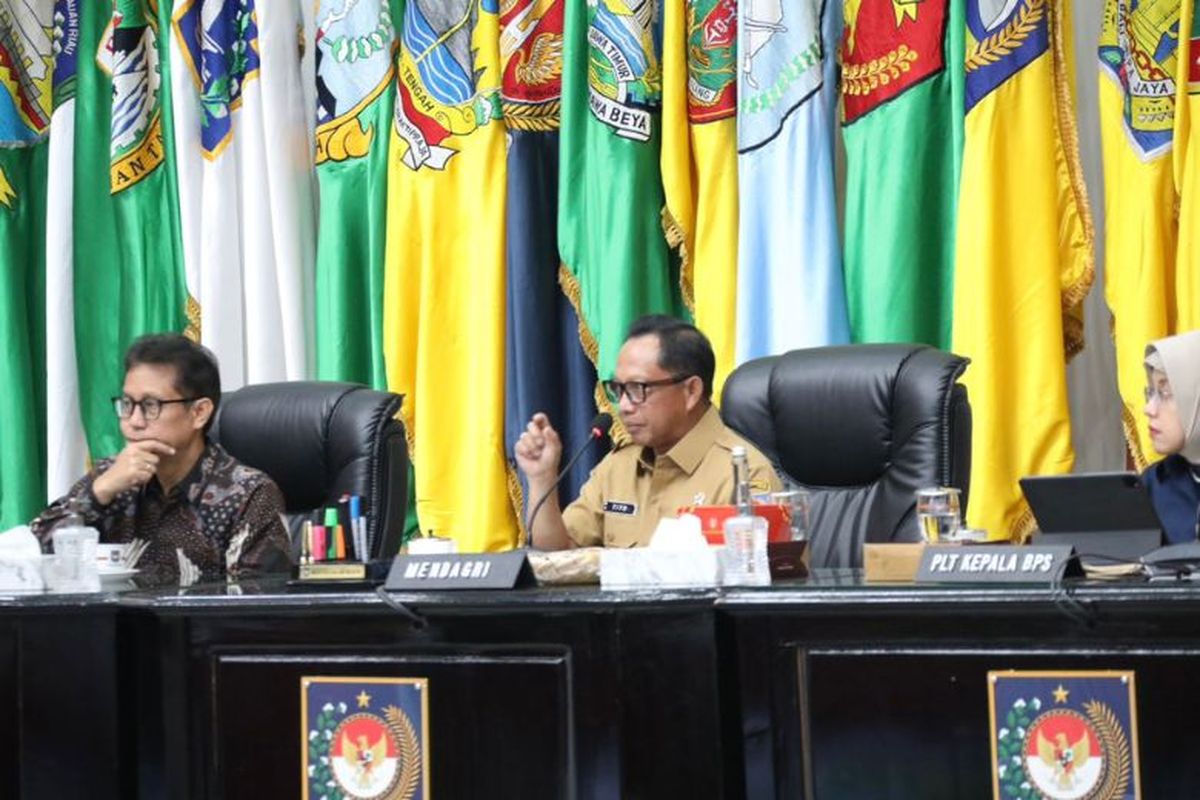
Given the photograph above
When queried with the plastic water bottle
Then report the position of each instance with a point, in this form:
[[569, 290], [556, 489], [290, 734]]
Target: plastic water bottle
[[73, 568], [745, 533]]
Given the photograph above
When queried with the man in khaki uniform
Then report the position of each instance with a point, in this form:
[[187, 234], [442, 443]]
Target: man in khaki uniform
[[679, 454]]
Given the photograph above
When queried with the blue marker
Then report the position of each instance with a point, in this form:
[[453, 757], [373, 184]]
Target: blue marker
[[358, 528]]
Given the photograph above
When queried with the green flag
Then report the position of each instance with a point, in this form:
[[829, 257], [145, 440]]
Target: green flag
[[355, 91], [356, 49], [610, 236], [128, 265], [22, 307], [902, 83], [22, 322], [25, 108]]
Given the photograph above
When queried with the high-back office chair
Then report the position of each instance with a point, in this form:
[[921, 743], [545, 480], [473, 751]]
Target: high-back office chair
[[861, 427], [320, 440]]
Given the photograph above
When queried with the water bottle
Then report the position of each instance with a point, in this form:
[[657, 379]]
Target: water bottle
[[745, 533], [73, 567]]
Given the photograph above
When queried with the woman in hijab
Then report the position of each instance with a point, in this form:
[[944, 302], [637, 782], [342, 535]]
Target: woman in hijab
[[1172, 410]]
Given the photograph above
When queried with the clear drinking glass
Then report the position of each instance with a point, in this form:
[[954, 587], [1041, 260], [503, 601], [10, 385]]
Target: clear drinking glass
[[74, 563], [746, 561], [796, 501], [938, 513]]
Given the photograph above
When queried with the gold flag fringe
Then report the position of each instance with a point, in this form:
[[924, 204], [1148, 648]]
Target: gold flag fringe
[[1076, 291], [1132, 442], [1073, 293], [676, 240], [570, 286], [192, 312], [571, 289], [516, 496]]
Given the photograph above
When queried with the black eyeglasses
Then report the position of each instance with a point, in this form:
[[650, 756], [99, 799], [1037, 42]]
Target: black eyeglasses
[[151, 406], [636, 391]]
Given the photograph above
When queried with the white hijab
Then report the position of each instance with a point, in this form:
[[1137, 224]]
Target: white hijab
[[1179, 358]]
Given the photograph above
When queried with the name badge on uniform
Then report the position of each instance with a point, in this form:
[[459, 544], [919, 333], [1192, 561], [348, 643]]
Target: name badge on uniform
[[617, 507]]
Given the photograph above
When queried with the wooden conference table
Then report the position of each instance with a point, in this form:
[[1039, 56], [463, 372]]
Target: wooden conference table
[[828, 688]]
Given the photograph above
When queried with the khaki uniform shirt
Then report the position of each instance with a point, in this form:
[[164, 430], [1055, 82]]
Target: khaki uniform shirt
[[631, 490]]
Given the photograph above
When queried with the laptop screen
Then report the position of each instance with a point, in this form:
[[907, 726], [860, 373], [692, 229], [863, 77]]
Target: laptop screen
[[1090, 503]]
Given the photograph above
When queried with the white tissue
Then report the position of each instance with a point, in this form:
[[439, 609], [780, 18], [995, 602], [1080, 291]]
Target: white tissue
[[19, 542], [20, 561], [678, 533], [677, 556]]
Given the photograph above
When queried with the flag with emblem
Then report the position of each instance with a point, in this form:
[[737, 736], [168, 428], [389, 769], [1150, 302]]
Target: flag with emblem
[[1064, 735], [610, 237], [1138, 51], [444, 302], [790, 290], [245, 195], [26, 72], [1186, 289], [699, 163], [66, 445], [355, 50], [125, 232], [902, 84], [364, 737], [546, 368], [1024, 254]]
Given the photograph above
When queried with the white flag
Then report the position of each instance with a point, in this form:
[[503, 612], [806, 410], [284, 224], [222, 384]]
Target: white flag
[[245, 183], [66, 446]]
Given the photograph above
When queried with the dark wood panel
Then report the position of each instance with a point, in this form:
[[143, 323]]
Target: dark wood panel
[[670, 711], [499, 720], [829, 689], [10, 685], [588, 702], [916, 725], [67, 705], [881, 692]]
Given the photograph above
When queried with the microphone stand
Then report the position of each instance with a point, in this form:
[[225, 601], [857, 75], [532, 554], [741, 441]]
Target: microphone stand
[[596, 434]]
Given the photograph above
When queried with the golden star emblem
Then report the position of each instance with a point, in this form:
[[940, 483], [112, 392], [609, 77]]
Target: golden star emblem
[[364, 699], [1060, 694], [905, 8]]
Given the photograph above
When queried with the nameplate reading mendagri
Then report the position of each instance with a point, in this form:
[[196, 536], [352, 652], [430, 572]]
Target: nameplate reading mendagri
[[997, 564], [460, 571]]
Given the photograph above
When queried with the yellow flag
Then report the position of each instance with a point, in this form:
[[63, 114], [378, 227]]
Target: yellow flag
[[1138, 55], [444, 282], [1187, 170], [1024, 257], [699, 163]]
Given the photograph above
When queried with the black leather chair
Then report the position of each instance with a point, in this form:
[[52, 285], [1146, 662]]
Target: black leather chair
[[320, 440], [861, 427]]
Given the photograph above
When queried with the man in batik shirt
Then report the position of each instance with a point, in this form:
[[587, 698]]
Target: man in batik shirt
[[171, 486]]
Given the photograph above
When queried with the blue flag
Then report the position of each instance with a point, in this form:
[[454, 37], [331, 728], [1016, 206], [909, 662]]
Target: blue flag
[[546, 367], [790, 288]]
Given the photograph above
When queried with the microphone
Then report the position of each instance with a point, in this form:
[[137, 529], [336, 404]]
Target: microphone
[[600, 426]]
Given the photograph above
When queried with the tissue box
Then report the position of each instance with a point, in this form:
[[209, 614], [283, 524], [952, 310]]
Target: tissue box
[[18, 574], [21, 561], [644, 567]]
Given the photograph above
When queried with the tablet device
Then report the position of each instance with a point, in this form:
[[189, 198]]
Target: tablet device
[[1104, 514]]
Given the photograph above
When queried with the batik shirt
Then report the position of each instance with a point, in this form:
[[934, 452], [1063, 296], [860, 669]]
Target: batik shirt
[[221, 510]]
